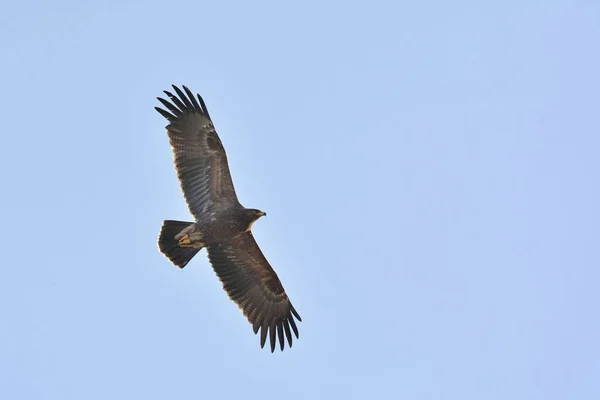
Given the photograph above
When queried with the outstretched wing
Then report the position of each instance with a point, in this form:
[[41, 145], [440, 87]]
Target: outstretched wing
[[200, 158], [254, 286]]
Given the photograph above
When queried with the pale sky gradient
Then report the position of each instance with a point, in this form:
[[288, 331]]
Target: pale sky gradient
[[430, 172]]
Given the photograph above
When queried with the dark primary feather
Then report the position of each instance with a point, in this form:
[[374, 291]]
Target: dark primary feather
[[200, 159], [253, 285], [164, 113], [171, 108], [191, 97]]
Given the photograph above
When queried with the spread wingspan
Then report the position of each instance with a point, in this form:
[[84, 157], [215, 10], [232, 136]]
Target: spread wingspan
[[203, 171], [253, 285], [200, 159]]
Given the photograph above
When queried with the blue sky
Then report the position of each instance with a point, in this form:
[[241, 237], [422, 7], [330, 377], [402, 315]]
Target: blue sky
[[430, 172]]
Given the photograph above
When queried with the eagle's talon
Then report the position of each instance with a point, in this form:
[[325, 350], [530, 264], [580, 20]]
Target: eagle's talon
[[185, 241]]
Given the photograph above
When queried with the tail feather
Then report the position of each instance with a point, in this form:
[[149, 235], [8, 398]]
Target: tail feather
[[169, 246]]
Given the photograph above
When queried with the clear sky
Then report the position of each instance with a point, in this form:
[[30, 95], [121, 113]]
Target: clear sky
[[430, 172]]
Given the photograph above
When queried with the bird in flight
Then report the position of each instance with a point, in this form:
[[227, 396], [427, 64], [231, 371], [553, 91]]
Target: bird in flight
[[222, 225]]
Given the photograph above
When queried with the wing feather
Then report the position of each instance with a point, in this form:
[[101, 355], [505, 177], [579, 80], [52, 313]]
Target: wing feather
[[175, 100], [200, 158], [183, 97], [288, 334], [190, 95], [253, 285], [171, 107], [164, 113], [280, 334]]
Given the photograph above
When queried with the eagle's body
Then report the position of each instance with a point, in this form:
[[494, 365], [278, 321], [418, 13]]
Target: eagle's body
[[222, 225], [218, 226]]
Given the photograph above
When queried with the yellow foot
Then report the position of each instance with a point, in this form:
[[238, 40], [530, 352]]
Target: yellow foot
[[185, 241]]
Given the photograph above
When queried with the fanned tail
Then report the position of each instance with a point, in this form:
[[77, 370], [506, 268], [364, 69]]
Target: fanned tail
[[169, 246]]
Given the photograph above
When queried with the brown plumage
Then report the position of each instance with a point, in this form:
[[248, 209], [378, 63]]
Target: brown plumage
[[222, 224]]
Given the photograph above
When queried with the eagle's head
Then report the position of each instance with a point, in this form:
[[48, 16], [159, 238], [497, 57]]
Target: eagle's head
[[251, 215]]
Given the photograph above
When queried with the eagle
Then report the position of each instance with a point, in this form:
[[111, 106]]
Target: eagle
[[221, 224]]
